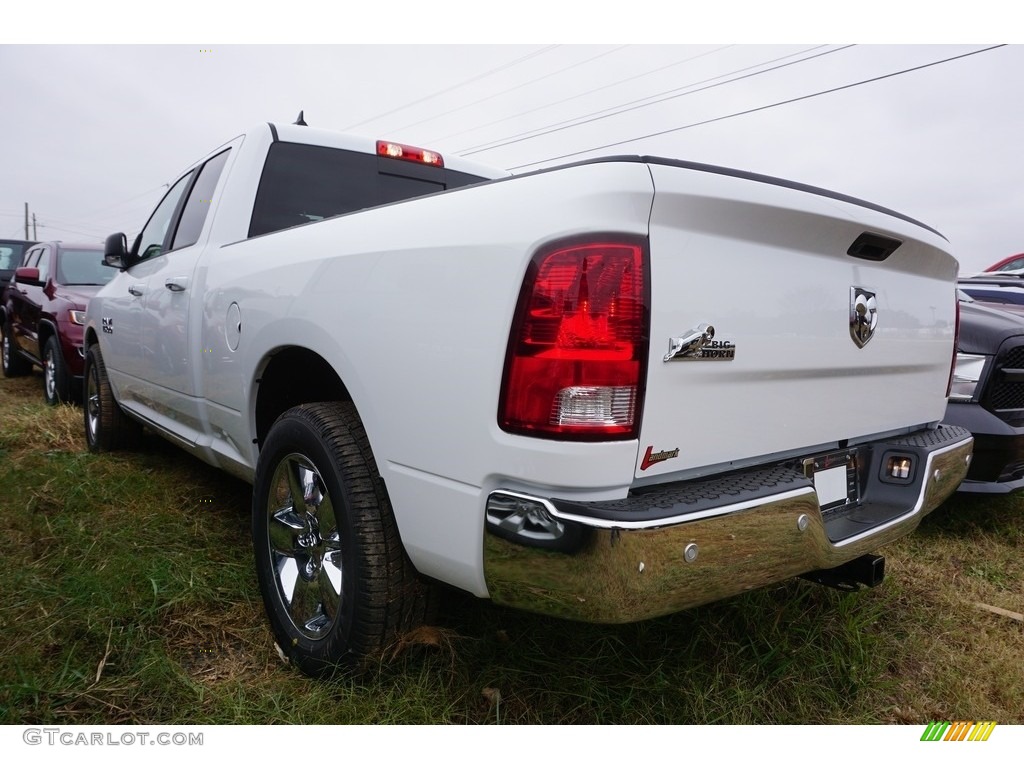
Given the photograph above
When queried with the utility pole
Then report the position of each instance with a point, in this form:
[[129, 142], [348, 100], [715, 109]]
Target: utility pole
[[35, 234], [26, 221]]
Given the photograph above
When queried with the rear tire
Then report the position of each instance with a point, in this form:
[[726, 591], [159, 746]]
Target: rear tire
[[106, 426], [336, 582], [13, 363], [56, 383]]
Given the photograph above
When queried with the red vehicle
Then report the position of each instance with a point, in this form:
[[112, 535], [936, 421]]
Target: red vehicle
[[1009, 264], [42, 312]]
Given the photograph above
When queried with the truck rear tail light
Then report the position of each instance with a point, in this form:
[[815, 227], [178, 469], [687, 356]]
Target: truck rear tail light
[[967, 372], [956, 346], [412, 154], [578, 348]]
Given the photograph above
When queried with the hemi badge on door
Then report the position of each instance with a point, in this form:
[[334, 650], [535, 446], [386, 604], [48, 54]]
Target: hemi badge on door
[[651, 458], [699, 344], [863, 315]]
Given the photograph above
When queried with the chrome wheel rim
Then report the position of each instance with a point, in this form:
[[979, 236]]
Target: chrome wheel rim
[[92, 403], [7, 352], [305, 547], [49, 375]]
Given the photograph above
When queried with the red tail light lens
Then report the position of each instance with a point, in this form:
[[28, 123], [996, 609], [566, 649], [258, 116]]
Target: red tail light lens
[[578, 349]]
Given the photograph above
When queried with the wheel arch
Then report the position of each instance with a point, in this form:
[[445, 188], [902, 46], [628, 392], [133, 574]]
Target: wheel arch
[[278, 388], [47, 330], [293, 375]]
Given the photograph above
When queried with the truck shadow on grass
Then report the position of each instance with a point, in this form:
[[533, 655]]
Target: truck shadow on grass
[[791, 653]]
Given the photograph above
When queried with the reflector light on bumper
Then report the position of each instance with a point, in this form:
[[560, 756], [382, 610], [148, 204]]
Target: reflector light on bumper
[[899, 467]]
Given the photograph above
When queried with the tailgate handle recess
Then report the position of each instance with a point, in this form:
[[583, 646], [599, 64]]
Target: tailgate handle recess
[[873, 247]]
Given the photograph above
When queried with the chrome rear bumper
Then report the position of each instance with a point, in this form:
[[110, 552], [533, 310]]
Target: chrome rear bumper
[[679, 546]]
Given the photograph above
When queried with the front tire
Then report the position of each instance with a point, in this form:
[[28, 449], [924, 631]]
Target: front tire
[[336, 583], [106, 426], [56, 384]]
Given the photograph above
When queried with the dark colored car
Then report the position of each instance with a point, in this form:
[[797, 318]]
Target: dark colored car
[[42, 312], [988, 395], [11, 253], [994, 295]]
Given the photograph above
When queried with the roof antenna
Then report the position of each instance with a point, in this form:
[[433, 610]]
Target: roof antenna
[[300, 121]]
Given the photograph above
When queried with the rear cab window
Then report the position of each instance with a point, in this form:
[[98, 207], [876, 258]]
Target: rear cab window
[[303, 183]]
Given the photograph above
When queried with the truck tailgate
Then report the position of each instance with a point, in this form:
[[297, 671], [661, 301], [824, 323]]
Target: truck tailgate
[[811, 346]]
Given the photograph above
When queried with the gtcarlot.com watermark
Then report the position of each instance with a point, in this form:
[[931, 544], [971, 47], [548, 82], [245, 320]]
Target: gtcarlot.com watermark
[[81, 738]]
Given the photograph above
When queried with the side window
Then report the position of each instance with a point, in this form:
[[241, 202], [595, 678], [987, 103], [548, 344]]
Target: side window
[[44, 265], [151, 242], [31, 258], [198, 205]]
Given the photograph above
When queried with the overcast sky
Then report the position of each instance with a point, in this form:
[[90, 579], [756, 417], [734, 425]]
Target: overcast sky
[[92, 133]]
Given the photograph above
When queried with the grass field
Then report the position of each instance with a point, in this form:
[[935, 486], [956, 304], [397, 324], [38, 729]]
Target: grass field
[[129, 597]]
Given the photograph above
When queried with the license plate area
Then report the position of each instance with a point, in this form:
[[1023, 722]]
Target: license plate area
[[835, 479]]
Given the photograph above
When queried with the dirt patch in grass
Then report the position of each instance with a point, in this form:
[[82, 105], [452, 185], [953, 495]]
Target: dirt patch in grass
[[224, 644]]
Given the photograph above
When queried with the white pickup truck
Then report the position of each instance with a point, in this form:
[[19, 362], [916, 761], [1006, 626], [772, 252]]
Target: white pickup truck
[[606, 391]]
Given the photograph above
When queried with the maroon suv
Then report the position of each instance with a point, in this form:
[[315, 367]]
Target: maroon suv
[[43, 311]]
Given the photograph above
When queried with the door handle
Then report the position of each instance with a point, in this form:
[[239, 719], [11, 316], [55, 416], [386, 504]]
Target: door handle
[[176, 284], [136, 290]]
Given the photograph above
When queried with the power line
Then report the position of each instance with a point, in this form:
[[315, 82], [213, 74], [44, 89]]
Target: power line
[[132, 214], [761, 108], [509, 90], [573, 121], [488, 73], [648, 101], [96, 224], [97, 221], [73, 231], [125, 202], [61, 222], [585, 93]]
